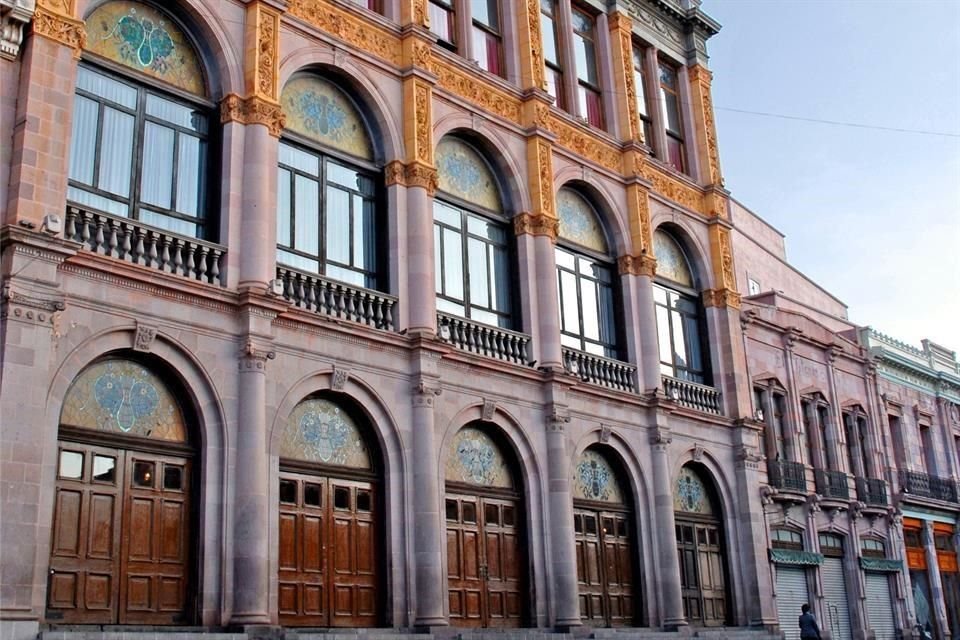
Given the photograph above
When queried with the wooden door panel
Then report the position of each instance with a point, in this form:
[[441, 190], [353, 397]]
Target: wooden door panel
[[310, 544], [101, 527], [172, 516], [67, 531], [288, 541], [98, 592]]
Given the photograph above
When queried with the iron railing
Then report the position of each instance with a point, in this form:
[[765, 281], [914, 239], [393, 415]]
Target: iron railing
[[928, 486], [137, 243], [316, 293], [787, 475], [484, 339], [832, 484], [872, 491]]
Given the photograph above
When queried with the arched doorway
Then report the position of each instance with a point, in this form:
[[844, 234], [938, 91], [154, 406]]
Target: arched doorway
[[486, 562], [330, 555], [700, 546], [121, 550], [603, 520]]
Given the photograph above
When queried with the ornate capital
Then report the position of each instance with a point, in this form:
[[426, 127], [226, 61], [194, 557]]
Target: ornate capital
[[254, 359], [642, 265], [536, 225], [60, 28], [558, 419], [421, 175], [424, 392], [721, 298], [660, 439], [253, 110]]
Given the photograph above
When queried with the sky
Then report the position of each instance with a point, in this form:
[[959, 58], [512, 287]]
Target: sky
[[871, 215]]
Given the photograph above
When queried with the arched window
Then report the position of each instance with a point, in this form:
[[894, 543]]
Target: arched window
[[142, 122], [471, 238], [327, 186], [585, 278], [679, 316]]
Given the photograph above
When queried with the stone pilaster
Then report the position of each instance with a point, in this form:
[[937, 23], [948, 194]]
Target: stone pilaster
[[427, 541], [668, 578], [835, 435], [795, 430], [705, 127], [530, 44], [625, 93], [937, 604], [560, 505]]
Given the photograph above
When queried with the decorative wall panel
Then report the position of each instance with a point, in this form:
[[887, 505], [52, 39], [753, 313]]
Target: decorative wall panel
[[579, 222], [462, 172], [476, 459], [319, 430], [317, 109], [691, 494], [142, 38], [594, 478], [671, 262], [121, 396]]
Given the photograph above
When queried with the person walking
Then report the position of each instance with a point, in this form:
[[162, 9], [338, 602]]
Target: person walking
[[808, 624]]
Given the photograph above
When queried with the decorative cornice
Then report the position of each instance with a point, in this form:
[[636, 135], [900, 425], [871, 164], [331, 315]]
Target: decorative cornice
[[253, 110], [60, 28], [536, 225], [28, 308], [642, 265], [14, 16]]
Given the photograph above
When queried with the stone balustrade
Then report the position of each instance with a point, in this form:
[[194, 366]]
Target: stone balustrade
[[484, 339], [605, 372], [314, 292], [137, 243], [692, 394]]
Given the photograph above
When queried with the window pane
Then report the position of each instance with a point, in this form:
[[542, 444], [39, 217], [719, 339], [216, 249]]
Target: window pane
[[349, 276], [298, 262], [452, 264], [437, 263], [485, 11], [607, 321], [83, 140], [104, 468], [675, 153], [548, 35], [679, 341], [453, 308], [441, 22], [671, 112], [500, 278], [591, 107], [172, 477], [143, 475], [565, 259], [571, 307], [363, 234], [478, 270], [691, 330], [591, 315], [343, 176], [94, 201], [338, 225], [116, 151], [486, 49], [446, 214], [486, 317], [641, 94], [101, 85], [586, 60], [283, 207], [306, 195], [663, 335], [169, 223], [189, 171], [71, 464], [175, 113], [156, 181], [299, 160]]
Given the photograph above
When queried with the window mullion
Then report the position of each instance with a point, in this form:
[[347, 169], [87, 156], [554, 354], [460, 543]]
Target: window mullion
[[174, 188], [465, 259], [139, 135], [322, 216], [292, 179]]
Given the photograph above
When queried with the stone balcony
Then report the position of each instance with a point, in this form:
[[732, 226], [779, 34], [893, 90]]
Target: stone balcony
[[924, 485], [483, 339], [832, 485], [692, 395]]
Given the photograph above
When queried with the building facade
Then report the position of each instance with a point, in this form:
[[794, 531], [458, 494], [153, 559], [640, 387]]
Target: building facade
[[344, 313]]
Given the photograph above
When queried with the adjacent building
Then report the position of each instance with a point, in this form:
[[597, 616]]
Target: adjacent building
[[428, 314]]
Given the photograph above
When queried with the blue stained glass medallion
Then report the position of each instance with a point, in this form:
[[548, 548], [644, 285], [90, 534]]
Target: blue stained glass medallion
[[578, 221], [142, 38], [320, 111], [476, 459], [595, 479], [462, 172], [671, 262], [123, 397], [319, 430], [690, 495]]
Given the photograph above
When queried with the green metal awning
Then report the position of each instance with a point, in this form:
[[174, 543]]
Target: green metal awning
[[796, 558]]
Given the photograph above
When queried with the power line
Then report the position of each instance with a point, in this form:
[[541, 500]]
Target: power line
[[839, 123]]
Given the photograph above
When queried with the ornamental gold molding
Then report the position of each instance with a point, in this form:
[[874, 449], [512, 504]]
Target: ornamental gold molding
[[418, 120], [536, 225], [253, 110], [622, 49], [540, 172], [690, 197], [67, 8], [262, 54], [416, 52], [722, 257], [50, 23], [417, 174], [700, 79], [394, 173], [353, 29], [642, 265], [721, 298], [479, 92], [532, 73], [641, 233], [585, 144]]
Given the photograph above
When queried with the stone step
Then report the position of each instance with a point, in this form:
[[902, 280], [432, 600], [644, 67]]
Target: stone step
[[126, 634]]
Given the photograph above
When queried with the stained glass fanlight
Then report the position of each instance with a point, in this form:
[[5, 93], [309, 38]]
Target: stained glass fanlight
[[147, 40], [475, 458], [578, 221], [671, 262], [319, 430], [691, 494], [463, 173], [318, 110], [123, 397], [594, 478]]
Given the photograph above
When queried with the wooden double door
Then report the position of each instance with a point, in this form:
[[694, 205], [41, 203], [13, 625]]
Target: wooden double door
[[121, 543], [329, 563], [485, 560], [605, 566], [702, 572]]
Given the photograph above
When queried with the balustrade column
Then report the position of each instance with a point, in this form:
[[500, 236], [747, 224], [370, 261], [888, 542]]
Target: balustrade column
[[251, 513], [428, 526], [668, 580], [562, 543]]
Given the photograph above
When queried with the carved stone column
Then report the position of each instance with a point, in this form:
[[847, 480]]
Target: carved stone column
[[668, 580], [835, 436], [937, 604], [795, 432], [251, 512], [560, 505], [428, 540]]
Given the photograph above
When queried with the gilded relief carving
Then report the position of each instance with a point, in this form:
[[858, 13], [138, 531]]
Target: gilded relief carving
[[422, 120], [60, 28], [536, 225], [584, 144], [268, 44], [420, 175], [535, 44], [252, 110], [700, 79], [476, 91], [349, 28]]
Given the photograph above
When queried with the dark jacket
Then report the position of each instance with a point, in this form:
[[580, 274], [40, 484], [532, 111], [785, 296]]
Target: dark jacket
[[808, 626]]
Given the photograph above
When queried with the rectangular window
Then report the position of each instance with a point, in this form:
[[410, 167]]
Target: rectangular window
[[372, 5], [672, 121], [443, 23], [753, 287], [640, 83], [929, 454], [551, 48], [779, 411], [487, 35], [590, 104], [586, 305]]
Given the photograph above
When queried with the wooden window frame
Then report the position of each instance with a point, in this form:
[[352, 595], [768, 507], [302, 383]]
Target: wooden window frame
[[144, 87], [793, 544], [642, 90], [450, 7], [324, 156]]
